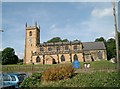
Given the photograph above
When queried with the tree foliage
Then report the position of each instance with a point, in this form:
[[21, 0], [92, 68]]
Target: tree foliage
[[75, 40], [101, 39], [111, 48], [65, 40], [119, 39], [8, 56], [57, 39]]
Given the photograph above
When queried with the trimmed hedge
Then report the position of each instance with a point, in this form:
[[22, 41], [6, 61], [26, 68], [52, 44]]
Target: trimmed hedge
[[58, 73]]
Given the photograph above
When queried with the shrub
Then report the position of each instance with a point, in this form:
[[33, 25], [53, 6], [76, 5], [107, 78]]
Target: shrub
[[20, 63], [32, 80], [58, 73]]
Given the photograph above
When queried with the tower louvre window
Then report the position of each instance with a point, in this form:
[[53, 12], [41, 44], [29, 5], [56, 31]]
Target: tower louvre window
[[62, 58], [30, 33]]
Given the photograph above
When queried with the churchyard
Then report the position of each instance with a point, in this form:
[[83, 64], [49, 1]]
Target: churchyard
[[100, 74]]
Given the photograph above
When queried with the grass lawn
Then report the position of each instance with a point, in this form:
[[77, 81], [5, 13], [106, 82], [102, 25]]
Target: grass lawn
[[96, 65]]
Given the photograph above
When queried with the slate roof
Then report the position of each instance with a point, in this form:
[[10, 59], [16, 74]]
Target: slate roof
[[93, 46]]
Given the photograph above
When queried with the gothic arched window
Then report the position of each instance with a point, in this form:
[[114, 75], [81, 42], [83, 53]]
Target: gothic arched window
[[99, 54], [62, 58], [38, 59], [30, 33], [75, 57]]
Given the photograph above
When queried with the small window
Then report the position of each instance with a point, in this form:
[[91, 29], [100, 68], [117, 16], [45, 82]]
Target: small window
[[58, 48], [75, 47], [41, 49], [66, 47], [49, 49], [30, 33]]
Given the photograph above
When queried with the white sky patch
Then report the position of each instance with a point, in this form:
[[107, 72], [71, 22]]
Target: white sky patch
[[100, 13], [20, 55], [100, 24], [93, 28], [1, 49], [53, 26], [110, 38]]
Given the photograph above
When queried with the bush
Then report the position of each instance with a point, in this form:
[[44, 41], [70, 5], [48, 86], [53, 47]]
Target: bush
[[20, 63], [31, 81], [58, 73]]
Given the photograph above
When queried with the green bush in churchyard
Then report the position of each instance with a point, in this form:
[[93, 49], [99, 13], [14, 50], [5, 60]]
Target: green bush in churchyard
[[31, 81]]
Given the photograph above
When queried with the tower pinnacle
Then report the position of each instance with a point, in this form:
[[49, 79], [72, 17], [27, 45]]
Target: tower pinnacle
[[36, 24], [26, 24]]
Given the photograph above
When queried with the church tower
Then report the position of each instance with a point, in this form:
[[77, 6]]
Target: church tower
[[32, 40]]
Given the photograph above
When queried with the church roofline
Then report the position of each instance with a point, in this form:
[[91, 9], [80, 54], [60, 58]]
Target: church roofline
[[93, 46], [60, 43]]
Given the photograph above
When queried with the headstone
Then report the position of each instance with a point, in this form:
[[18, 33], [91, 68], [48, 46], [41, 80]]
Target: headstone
[[86, 65]]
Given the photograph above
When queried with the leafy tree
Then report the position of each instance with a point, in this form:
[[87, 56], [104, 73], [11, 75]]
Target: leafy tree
[[119, 39], [75, 40], [101, 39], [65, 40], [8, 56], [0, 57], [111, 48], [57, 39]]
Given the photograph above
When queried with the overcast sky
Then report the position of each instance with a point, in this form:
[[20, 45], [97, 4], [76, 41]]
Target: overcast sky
[[72, 20]]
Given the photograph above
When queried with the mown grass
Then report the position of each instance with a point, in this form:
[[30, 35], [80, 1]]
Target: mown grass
[[28, 68], [96, 65]]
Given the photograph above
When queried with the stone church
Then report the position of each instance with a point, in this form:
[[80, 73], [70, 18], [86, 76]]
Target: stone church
[[59, 52]]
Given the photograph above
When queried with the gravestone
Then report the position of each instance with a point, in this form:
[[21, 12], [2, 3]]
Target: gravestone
[[86, 65]]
